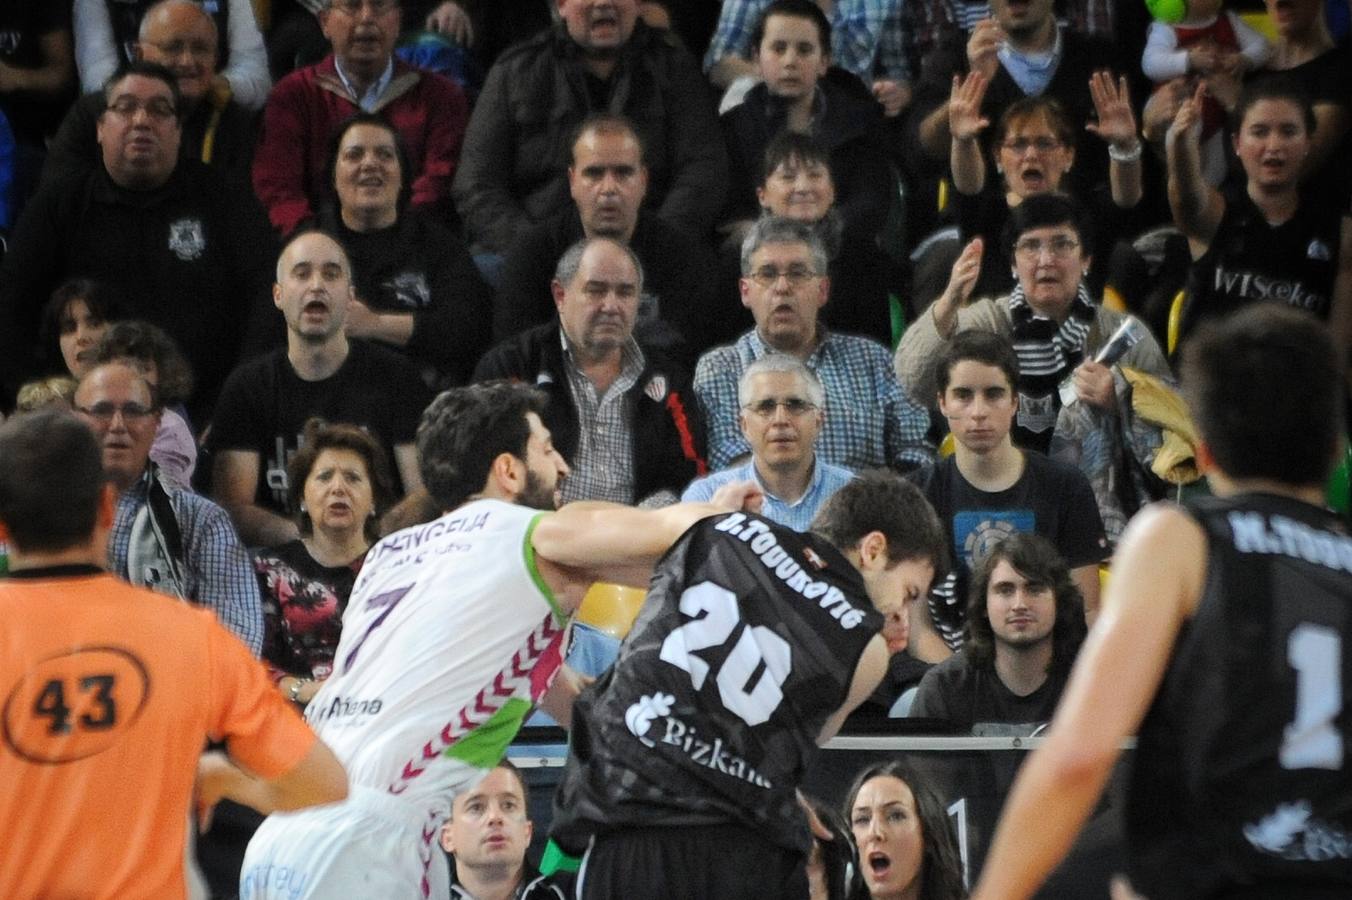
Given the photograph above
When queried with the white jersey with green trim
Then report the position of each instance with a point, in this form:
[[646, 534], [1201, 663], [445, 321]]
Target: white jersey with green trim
[[449, 638]]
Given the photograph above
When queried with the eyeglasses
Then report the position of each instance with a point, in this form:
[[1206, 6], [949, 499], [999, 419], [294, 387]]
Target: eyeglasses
[[1042, 144], [195, 49], [156, 108], [1058, 247], [766, 276], [353, 7], [794, 406], [104, 413]]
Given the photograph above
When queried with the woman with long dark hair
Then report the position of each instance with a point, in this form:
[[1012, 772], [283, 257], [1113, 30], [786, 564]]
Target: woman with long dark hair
[[906, 845]]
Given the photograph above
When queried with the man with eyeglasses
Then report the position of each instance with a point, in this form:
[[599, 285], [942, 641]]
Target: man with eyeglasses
[[174, 242], [109, 33], [217, 128], [428, 111], [165, 538], [619, 410], [872, 421], [783, 408], [1054, 323]]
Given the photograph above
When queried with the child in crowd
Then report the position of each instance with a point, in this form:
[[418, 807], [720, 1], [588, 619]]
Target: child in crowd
[[799, 92], [1206, 40]]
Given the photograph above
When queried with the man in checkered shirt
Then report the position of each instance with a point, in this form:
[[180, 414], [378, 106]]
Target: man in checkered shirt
[[872, 420], [620, 412]]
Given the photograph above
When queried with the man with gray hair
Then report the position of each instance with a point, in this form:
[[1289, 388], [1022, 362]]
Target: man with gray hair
[[783, 407], [619, 411], [873, 421], [217, 129]]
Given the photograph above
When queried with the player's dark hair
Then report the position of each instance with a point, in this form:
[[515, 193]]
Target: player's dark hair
[[1047, 211], [51, 478], [941, 866], [1274, 87], [798, 9], [1265, 391], [147, 343], [985, 347], [465, 429], [319, 436], [375, 120], [1035, 558], [881, 500]]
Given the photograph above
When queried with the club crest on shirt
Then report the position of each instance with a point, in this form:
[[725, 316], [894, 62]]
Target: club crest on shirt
[[1318, 250], [187, 239], [1037, 414]]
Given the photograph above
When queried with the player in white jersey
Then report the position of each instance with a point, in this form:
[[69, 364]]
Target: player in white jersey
[[454, 631]]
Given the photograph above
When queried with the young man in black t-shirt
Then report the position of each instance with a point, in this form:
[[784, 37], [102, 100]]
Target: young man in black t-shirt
[[1025, 623], [754, 644], [1221, 644], [989, 489], [266, 401]]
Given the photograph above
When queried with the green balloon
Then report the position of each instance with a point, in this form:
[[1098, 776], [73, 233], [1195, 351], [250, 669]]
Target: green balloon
[[1170, 12]]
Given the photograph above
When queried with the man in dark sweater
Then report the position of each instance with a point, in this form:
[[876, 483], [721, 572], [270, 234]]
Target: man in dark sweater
[[165, 234], [619, 412], [608, 179]]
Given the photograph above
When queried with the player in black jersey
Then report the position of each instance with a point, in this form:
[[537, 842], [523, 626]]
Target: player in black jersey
[[753, 645], [1221, 639]]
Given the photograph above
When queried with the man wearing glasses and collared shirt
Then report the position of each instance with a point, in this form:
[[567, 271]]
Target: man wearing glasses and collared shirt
[[428, 112], [163, 537], [172, 240], [872, 420], [783, 407]]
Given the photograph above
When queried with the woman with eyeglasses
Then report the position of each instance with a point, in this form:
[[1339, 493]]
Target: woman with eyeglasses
[[1033, 153], [1266, 239], [1050, 315]]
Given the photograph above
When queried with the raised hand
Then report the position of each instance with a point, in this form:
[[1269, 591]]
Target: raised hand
[[965, 121], [1188, 120], [1112, 101], [450, 19], [983, 47], [965, 272], [893, 95]]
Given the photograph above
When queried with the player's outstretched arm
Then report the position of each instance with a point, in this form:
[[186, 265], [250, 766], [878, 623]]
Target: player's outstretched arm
[[558, 700], [1156, 579], [599, 537], [317, 779]]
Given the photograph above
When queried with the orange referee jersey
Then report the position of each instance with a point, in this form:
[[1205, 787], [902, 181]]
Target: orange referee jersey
[[107, 695]]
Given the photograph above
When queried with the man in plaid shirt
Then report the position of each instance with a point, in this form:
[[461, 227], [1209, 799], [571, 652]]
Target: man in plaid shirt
[[872, 421]]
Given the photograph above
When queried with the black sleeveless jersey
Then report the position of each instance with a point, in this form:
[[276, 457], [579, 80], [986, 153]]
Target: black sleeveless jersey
[[1243, 772], [747, 643], [1249, 260]]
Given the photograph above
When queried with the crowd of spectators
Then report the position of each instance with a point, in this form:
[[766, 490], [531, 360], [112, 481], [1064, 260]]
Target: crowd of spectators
[[247, 242]]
